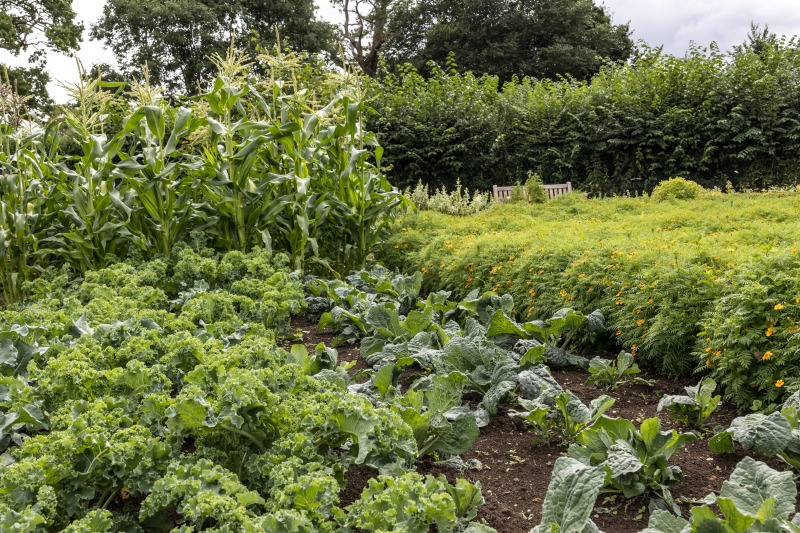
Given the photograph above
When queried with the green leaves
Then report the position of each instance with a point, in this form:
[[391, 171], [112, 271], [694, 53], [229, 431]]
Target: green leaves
[[608, 374], [202, 492], [763, 434], [754, 498], [436, 418], [758, 491], [694, 408], [636, 461], [414, 504], [570, 497]]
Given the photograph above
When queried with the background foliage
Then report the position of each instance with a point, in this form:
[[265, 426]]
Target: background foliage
[[711, 117]]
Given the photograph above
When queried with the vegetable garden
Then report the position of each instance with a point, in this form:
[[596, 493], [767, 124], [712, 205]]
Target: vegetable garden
[[170, 266]]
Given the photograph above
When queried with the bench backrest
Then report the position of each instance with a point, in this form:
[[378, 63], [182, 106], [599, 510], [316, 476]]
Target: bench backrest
[[501, 194]]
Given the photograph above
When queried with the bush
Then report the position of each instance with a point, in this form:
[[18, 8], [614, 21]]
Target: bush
[[533, 189], [677, 189], [457, 202], [750, 338], [707, 114]]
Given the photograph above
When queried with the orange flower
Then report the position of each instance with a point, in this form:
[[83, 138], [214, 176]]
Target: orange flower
[[779, 383], [640, 322], [618, 333], [778, 307]]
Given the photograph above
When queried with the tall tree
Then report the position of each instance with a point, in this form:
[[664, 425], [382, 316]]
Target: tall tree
[[33, 27], [365, 29], [537, 38], [176, 37], [758, 40], [37, 25]]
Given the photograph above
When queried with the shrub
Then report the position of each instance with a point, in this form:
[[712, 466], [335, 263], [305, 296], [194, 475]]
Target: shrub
[[457, 202], [533, 189], [751, 337], [677, 189]]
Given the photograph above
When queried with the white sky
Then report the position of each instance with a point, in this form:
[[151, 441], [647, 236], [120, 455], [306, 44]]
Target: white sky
[[672, 23]]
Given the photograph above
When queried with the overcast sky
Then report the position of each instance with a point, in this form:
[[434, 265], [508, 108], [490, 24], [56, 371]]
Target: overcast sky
[[672, 23]]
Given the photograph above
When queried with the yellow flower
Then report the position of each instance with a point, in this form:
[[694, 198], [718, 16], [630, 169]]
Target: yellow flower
[[618, 333], [640, 322], [778, 307], [769, 332], [794, 328], [767, 356], [779, 383]]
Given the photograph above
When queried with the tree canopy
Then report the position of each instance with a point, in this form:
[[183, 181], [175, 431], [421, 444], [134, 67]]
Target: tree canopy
[[176, 37], [37, 25], [536, 38], [33, 27]]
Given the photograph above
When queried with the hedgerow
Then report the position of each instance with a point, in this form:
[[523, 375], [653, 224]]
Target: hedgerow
[[712, 117]]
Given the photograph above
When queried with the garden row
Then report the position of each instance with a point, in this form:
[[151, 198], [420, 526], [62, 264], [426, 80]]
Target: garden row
[[708, 284], [280, 161], [153, 395], [448, 367]]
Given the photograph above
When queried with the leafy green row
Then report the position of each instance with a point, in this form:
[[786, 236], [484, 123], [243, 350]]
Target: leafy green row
[[154, 396], [754, 498]]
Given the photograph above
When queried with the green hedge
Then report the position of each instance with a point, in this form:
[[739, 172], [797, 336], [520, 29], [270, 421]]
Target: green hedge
[[711, 117]]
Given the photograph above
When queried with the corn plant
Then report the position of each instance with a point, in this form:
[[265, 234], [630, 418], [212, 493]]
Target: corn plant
[[94, 216], [24, 190], [23, 195], [158, 172], [232, 158]]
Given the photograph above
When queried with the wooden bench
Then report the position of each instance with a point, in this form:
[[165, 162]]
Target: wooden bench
[[501, 194]]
